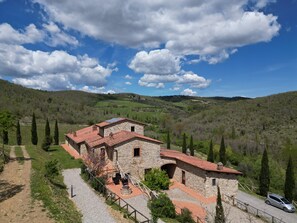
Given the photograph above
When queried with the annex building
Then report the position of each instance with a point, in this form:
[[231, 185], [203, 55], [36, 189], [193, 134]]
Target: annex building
[[123, 144]]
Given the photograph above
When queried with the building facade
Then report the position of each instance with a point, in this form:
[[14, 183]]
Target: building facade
[[124, 145]]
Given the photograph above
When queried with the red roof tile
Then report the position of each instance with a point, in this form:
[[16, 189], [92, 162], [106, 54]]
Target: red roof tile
[[118, 138], [194, 161], [84, 134]]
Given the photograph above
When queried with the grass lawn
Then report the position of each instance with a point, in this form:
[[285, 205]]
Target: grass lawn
[[53, 192]]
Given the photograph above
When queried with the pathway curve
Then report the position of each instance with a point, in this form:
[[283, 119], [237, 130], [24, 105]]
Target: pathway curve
[[92, 206]]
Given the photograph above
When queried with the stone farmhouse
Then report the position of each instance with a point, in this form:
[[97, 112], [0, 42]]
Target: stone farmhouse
[[124, 145]]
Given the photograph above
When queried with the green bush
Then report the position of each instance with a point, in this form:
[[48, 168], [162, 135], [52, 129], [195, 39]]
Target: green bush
[[52, 168], [185, 216], [98, 184], [157, 180], [162, 207]]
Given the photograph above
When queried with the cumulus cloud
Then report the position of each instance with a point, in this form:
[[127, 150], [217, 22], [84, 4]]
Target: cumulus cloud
[[50, 70], [11, 36], [129, 77], [55, 36], [185, 27], [128, 83], [158, 62], [160, 66], [51, 35], [188, 92]]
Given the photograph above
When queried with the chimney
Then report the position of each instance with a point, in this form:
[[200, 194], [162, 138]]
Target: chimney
[[220, 166], [94, 128], [74, 134], [111, 135]]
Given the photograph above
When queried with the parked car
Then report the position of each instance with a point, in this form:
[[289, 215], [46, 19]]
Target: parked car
[[280, 202]]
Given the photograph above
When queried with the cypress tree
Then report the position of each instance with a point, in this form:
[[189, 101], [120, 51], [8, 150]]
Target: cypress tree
[[34, 137], [191, 146], [290, 181], [210, 156], [18, 133], [264, 178], [223, 152], [220, 216], [56, 134], [47, 137], [168, 140], [5, 137], [184, 148]]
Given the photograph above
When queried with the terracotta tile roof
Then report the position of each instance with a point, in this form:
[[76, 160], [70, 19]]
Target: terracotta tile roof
[[118, 138], [115, 121], [84, 134], [194, 161]]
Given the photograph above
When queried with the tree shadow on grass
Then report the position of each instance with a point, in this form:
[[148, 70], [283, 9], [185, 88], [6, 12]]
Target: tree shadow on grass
[[20, 159], [58, 184], [8, 190]]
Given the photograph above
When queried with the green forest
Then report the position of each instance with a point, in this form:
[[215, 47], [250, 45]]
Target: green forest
[[248, 125]]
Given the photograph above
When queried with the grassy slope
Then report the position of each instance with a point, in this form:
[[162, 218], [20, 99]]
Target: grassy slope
[[53, 195]]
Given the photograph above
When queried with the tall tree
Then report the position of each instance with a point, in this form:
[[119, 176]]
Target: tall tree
[[210, 156], [34, 136], [184, 148], [18, 133], [7, 121], [223, 158], [264, 178], [191, 146], [290, 181], [168, 140], [47, 137], [5, 138], [56, 134], [220, 216]]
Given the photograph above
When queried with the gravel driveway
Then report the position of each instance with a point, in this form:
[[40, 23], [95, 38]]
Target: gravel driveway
[[88, 202], [260, 204]]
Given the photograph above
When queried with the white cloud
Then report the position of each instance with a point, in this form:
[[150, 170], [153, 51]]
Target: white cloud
[[157, 62], [194, 80], [188, 92], [96, 90], [50, 70], [55, 36], [128, 83], [51, 35], [11, 36], [185, 27], [147, 84], [129, 77]]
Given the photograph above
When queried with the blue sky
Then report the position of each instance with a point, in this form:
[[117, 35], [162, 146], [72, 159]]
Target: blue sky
[[189, 47]]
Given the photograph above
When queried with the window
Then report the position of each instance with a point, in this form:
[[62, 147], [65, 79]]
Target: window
[[136, 152], [183, 177], [213, 182], [132, 128]]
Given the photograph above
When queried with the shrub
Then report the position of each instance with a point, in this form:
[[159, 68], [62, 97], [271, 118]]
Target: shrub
[[185, 216], [162, 207], [157, 180], [98, 184], [52, 168]]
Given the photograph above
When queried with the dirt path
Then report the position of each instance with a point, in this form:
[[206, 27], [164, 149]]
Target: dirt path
[[16, 204]]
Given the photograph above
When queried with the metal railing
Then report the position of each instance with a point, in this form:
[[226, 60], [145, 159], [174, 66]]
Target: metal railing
[[113, 198], [253, 210], [137, 183]]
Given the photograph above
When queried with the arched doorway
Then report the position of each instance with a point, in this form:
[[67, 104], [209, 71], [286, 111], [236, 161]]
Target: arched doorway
[[170, 169]]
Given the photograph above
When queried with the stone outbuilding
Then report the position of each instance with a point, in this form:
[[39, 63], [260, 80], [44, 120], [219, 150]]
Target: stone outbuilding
[[123, 144]]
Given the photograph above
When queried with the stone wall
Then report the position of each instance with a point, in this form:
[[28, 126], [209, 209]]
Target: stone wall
[[123, 126], [149, 157], [228, 184], [72, 144], [194, 177], [202, 181]]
